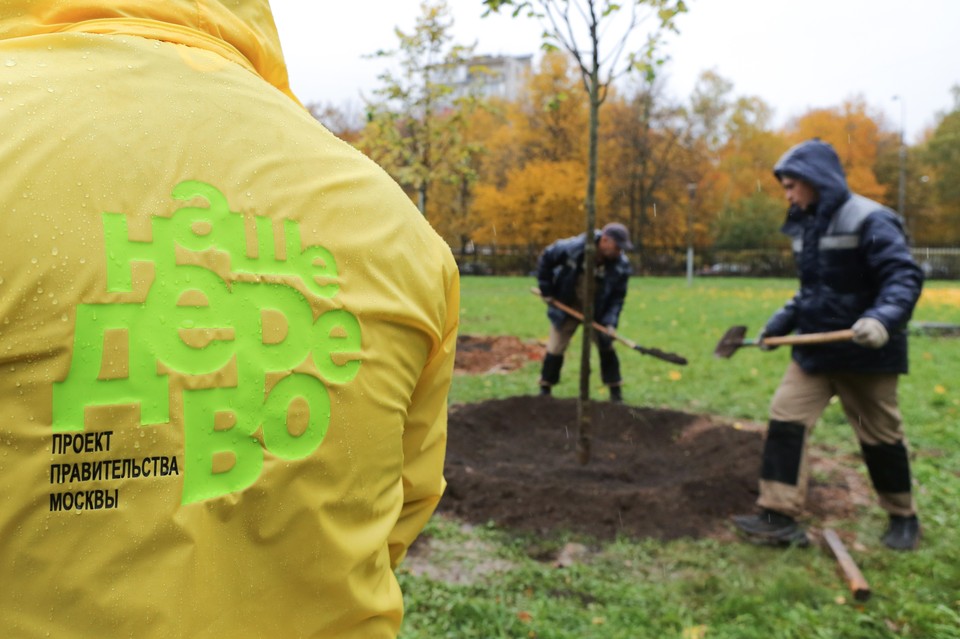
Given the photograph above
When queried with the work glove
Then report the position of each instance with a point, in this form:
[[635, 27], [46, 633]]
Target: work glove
[[870, 332], [611, 329]]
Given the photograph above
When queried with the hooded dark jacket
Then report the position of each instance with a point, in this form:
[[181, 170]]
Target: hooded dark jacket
[[559, 268], [853, 261]]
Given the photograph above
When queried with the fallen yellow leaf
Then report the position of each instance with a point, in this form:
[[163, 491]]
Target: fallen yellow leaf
[[695, 632], [939, 389], [674, 375]]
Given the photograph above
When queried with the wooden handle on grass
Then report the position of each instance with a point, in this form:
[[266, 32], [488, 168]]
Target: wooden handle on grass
[[848, 568]]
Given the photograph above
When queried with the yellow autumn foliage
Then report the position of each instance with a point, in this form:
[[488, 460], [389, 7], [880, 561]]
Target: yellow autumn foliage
[[540, 202]]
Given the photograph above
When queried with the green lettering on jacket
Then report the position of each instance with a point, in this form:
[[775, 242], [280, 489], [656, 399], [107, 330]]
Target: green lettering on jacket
[[197, 324]]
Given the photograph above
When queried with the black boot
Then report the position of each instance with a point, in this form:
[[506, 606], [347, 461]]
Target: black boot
[[903, 533], [544, 390], [609, 366], [550, 373], [772, 527], [616, 394]]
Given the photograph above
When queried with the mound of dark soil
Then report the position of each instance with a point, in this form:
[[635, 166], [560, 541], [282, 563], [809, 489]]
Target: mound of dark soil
[[651, 473]]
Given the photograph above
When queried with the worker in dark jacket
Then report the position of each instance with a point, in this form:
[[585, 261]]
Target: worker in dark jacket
[[560, 274], [856, 272]]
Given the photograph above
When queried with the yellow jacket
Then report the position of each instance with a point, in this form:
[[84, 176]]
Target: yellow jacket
[[226, 337]]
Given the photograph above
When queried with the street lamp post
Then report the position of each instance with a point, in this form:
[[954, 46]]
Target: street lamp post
[[902, 192], [692, 192]]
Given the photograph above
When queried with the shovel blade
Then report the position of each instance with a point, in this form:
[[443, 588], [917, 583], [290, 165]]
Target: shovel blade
[[730, 342]]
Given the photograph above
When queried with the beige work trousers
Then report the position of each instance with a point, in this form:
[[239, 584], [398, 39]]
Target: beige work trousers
[[869, 402], [559, 338]]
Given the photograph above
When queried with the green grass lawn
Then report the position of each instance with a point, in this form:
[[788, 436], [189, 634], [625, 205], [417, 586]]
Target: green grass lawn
[[707, 589]]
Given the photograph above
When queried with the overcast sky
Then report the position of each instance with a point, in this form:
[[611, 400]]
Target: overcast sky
[[794, 54]]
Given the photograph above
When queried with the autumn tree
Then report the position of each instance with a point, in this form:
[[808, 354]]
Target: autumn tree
[[919, 208], [554, 113], [415, 130], [855, 134], [487, 143], [691, 188], [751, 206], [531, 192], [345, 121], [639, 140], [542, 200], [941, 153], [582, 28]]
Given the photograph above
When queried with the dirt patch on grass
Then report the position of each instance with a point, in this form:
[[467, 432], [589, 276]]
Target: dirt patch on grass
[[652, 473], [498, 354]]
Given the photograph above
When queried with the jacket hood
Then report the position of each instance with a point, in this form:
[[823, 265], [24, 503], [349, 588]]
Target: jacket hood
[[816, 163], [242, 31]]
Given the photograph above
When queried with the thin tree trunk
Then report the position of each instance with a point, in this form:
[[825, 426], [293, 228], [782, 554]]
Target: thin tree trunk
[[589, 259]]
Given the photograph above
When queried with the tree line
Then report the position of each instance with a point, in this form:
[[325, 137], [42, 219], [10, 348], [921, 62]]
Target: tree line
[[492, 171]]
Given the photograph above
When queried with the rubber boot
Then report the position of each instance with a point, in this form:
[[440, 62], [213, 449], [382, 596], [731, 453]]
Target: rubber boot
[[610, 367], [773, 528], [903, 533], [889, 468], [616, 394], [550, 373]]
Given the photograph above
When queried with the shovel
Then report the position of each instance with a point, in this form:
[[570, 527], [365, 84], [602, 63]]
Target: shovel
[[653, 352], [733, 339]]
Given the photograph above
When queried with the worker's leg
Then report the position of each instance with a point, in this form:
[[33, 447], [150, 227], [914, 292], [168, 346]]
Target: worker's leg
[[557, 343], [794, 410], [870, 403], [609, 366]]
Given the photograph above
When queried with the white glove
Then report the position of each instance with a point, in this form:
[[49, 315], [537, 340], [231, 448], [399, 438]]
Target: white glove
[[870, 332]]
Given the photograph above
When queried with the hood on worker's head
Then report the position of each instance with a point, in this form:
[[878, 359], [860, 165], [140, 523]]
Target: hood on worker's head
[[240, 30], [816, 163]]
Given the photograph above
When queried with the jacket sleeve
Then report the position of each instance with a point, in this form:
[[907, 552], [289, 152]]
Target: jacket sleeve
[[618, 294], [784, 321], [548, 260], [899, 278], [425, 434]]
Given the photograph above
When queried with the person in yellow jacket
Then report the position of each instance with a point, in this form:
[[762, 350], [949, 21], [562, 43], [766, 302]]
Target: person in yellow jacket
[[226, 337]]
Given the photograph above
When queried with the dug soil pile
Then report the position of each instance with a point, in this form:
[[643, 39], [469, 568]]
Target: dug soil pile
[[652, 473]]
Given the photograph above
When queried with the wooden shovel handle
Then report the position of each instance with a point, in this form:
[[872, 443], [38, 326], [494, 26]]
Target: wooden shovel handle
[[847, 567], [810, 338]]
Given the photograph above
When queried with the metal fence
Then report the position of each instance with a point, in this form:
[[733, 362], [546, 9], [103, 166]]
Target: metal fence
[[937, 263]]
